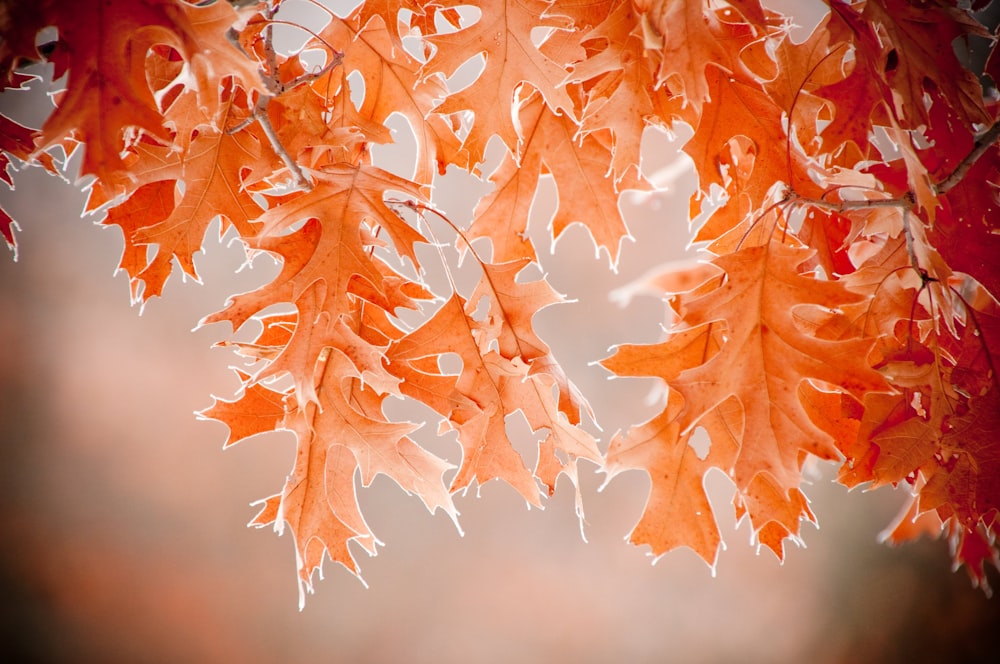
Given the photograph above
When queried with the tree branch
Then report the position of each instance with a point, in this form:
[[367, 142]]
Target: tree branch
[[982, 144], [275, 87], [299, 180]]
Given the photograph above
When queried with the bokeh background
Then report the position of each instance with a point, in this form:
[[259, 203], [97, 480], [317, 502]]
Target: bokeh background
[[122, 535]]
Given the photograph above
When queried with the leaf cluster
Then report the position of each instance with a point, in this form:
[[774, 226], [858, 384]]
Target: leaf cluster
[[844, 305]]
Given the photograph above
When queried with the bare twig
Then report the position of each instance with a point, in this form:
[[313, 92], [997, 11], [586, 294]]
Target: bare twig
[[272, 80], [904, 201], [907, 200], [335, 61], [299, 180], [983, 143]]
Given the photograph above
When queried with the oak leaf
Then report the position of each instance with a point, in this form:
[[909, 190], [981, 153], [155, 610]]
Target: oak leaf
[[756, 353], [480, 416], [107, 89], [258, 410], [581, 168], [503, 36], [393, 84], [677, 511], [688, 38], [214, 173], [331, 246]]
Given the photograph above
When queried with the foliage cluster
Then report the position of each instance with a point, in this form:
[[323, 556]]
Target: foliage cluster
[[844, 305]]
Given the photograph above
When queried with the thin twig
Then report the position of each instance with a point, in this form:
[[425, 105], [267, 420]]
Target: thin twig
[[298, 177], [315, 36], [275, 87], [907, 200], [309, 77], [983, 143], [904, 201], [270, 54]]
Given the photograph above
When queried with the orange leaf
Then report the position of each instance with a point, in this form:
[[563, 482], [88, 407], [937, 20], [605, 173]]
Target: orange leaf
[[107, 89], [258, 410], [677, 511], [331, 246], [480, 417], [213, 173], [336, 439], [503, 36], [393, 84]]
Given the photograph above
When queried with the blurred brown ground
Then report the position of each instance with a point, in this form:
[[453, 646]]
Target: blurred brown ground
[[123, 520]]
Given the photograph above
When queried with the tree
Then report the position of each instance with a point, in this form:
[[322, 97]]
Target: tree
[[843, 304]]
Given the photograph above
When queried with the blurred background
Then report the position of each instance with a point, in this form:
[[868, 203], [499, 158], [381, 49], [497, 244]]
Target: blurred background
[[123, 521]]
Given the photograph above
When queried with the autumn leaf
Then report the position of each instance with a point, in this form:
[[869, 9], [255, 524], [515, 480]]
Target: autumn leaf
[[503, 36], [107, 89], [502, 215], [687, 37], [967, 214], [393, 84], [488, 454], [962, 485], [147, 207], [213, 175], [258, 410], [512, 305], [617, 77], [677, 512], [756, 353], [766, 349], [889, 28], [587, 192], [329, 247]]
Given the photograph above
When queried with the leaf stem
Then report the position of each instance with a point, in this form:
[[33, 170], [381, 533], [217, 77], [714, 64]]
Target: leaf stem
[[904, 201], [420, 208], [971, 312], [925, 277]]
